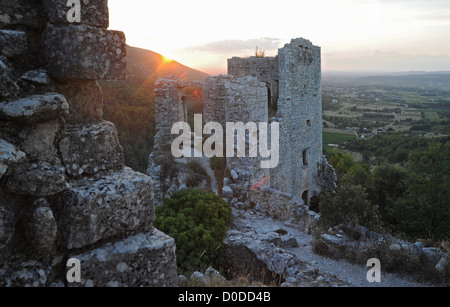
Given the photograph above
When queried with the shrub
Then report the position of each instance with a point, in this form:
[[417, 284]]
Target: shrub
[[349, 204], [260, 53], [198, 222]]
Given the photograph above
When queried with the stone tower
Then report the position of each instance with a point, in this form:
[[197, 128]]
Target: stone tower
[[293, 81], [64, 189]]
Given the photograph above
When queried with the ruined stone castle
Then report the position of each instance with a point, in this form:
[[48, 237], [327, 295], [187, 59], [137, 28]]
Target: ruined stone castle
[[64, 189], [65, 192], [285, 89]]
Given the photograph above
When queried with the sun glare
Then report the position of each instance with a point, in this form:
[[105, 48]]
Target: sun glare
[[166, 60]]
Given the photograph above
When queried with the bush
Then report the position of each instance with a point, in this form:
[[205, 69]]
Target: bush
[[198, 222], [349, 204]]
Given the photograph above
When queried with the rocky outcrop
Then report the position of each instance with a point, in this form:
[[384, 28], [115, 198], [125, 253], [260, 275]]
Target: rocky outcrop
[[264, 253], [64, 189], [357, 243]]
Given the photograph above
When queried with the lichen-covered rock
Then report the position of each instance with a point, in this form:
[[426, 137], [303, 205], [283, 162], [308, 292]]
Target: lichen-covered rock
[[40, 226], [82, 52], [7, 225], [8, 86], [91, 148], [143, 260], [37, 179], [39, 76], [85, 100], [277, 204], [37, 141], [13, 43], [26, 274], [35, 108], [327, 176], [102, 207], [93, 12], [19, 12], [432, 255], [8, 156]]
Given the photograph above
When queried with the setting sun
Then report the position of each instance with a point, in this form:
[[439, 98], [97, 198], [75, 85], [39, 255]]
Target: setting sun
[[166, 60]]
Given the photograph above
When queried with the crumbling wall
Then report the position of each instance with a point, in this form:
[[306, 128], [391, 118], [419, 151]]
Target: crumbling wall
[[265, 69], [169, 174], [296, 71], [64, 189], [238, 100]]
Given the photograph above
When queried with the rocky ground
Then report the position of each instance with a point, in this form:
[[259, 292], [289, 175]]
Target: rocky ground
[[287, 250]]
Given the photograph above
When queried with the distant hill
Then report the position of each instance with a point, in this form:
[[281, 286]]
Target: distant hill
[[130, 103], [144, 64]]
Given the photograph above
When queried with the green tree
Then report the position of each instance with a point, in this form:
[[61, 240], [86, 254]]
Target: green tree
[[358, 174], [342, 162], [424, 209], [198, 222], [388, 187], [349, 204]]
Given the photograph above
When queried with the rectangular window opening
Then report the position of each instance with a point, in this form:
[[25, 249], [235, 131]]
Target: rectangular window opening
[[305, 157]]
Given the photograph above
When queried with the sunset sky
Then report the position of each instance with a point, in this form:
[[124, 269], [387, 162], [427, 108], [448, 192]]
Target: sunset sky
[[355, 35]]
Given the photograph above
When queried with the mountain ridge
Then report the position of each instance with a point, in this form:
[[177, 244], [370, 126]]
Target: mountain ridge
[[145, 64]]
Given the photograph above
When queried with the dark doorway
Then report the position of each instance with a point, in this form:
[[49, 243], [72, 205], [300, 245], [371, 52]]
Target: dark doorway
[[314, 204], [305, 197]]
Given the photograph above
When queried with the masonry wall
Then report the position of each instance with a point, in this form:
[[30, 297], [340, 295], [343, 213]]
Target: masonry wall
[[265, 69], [300, 116], [238, 99], [64, 188]]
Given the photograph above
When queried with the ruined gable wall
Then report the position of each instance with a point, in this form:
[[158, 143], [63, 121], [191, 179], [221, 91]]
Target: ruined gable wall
[[245, 100], [265, 69]]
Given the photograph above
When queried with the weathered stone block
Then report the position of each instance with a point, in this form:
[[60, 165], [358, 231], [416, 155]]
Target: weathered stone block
[[38, 180], [93, 12], [85, 100], [82, 52], [7, 225], [34, 108], [39, 76], [8, 86], [40, 226], [19, 12], [38, 139], [13, 43], [104, 207], [8, 156], [25, 274], [89, 149], [143, 260]]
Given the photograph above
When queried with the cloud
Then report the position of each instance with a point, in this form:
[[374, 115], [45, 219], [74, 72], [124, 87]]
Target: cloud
[[235, 46]]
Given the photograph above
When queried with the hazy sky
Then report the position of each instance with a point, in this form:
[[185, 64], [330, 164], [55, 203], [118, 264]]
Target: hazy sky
[[362, 35]]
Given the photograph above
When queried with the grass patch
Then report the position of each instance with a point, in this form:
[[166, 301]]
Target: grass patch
[[336, 138]]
